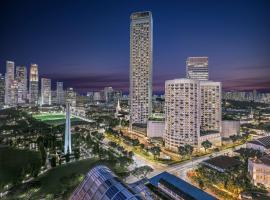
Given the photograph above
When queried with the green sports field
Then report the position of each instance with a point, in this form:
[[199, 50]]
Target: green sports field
[[54, 118]]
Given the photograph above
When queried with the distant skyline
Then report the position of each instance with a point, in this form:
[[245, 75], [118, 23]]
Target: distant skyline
[[86, 44]]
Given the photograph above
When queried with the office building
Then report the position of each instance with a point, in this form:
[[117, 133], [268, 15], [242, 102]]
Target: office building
[[197, 68], [182, 113], [101, 183], [60, 95], [2, 90], [21, 78], [9, 78], [259, 170], [13, 101], [141, 50], [33, 85], [108, 94], [46, 91], [210, 106]]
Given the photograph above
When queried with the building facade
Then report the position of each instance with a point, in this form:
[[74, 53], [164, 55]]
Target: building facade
[[9, 79], [210, 106], [21, 78], [70, 97], [230, 128], [259, 170], [33, 85], [60, 94], [2, 90], [197, 68], [182, 113], [155, 129], [141, 50], [46, 91]]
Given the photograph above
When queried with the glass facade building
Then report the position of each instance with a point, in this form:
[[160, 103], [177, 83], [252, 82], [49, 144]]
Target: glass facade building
[[101, 183]]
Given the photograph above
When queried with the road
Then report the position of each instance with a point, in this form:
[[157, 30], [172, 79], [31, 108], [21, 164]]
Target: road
[[180, 169]]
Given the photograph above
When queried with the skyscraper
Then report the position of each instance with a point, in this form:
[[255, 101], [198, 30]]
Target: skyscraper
[[21, 78], [210, 106], [182, 113], [60, 96], [67, 148], [141, 50], [197, 68], [2, 90], [46, 91], [9, 78], [33, 85]]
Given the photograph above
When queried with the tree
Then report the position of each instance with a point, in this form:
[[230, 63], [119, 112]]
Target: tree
[[77, 153], [206, 144], [67, 156], [155, 151], [53, 161], [141, 172], [189, 149], [182, 151]]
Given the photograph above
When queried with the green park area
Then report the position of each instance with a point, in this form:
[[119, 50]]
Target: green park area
[[59, 182], [54, 118], [16, 164]]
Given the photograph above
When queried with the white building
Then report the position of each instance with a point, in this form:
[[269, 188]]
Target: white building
[[21, 78], [197, 68], [259, 170], [210, 106], [9, 78], [141, 50], [46, 91], [33, 84], [155, 128], [230, 128], [182, 113]]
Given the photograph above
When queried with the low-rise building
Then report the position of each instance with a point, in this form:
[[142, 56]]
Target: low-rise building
[[259, 170], [229, 128], [221, 163], [214, 138], [175, 188], [155, 128], [262, 144]]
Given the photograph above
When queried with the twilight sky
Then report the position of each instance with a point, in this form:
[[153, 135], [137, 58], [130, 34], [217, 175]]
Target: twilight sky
[[86, 43]]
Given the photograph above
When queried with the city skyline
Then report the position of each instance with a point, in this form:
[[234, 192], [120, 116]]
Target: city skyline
[[237, 48]]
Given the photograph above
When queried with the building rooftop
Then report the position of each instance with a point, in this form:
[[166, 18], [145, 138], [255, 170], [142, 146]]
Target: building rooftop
[[263, 160], [263, 141], [222, 163], [180, 186]]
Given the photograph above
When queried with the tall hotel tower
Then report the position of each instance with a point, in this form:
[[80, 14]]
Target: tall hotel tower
[[9, 79], [141, 50], [33, 85], [182, 113], [46, 91], [21, 77], [197, 68]]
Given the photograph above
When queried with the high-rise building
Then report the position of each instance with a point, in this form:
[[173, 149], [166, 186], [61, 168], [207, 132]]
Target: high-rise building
[[2, 90], [33, 85], [210, 106], [197, 68], [182, 113], [21, 78], [108, 94], [9, 78], [71, 97], [13, 101], [141, 50], [60, 95], [67, 148], [46, 91]]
